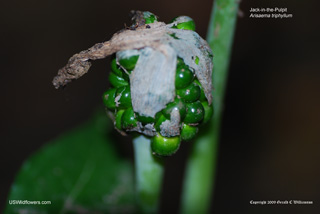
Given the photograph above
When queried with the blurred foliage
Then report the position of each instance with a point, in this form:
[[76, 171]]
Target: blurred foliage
[[79, 172]]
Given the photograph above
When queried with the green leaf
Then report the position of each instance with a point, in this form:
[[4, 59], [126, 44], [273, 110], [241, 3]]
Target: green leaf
[[79, 172]]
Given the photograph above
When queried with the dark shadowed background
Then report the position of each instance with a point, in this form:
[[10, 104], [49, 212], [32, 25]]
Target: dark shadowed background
[[270, 141]]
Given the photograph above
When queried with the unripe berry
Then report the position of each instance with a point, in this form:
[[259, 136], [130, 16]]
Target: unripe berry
[[117, 81], [129, 63], [183, 76], [123, 97], [109, 97], [208, 111], [128, 119], [165, 146], [188, 132], [190, 94], [195, 112]]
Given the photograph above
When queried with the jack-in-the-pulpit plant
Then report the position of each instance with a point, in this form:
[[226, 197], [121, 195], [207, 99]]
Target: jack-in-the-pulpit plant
[[161, 79]]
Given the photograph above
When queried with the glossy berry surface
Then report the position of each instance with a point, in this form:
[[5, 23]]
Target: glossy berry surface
[[123, 97], [108, 98], [116, 68], [190, 25], [202, 95], [208, 111], [176, 104], [165, 146], [118, 119], [128, 119], [117, 81], [129, 63], [188, 132], [144, 119], [184, 76], [189, 94], [186, 24], [195, 112]]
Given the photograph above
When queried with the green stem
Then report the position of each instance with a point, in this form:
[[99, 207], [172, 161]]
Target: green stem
[[149, 173], [201, 166]]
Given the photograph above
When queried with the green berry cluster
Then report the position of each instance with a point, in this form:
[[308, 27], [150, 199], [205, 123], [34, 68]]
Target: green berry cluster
[[118, 98], [193, 107], [190, 101]]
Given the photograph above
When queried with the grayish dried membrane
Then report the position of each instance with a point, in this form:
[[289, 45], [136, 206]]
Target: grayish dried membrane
[[147, 129], [171, 128], [191, 47], [152, 81]]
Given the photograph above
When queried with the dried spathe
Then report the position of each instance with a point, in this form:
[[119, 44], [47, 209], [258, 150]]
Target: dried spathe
[[158, 37]]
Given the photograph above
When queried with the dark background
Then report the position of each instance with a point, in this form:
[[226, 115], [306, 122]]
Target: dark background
[[270, 139]]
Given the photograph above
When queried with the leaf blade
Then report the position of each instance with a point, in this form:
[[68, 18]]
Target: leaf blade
[[78, 172]]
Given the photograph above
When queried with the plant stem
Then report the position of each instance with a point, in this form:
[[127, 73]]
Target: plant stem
[[201, 166], [149, 173]]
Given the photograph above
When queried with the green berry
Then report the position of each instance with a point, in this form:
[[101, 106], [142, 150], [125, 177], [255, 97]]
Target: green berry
[[128, 119], [184, 76], [108, 98], [144, 119], [165, 146], [116, 68], [190, 94], [176, 104], [118, 119], [184, 23], [188, 132], [190, 25], [160, 118], [195, 112], [202, 95], [126, 76], [123, 97], [117, 81], [129, 63], [149, 17], [208, 111]]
